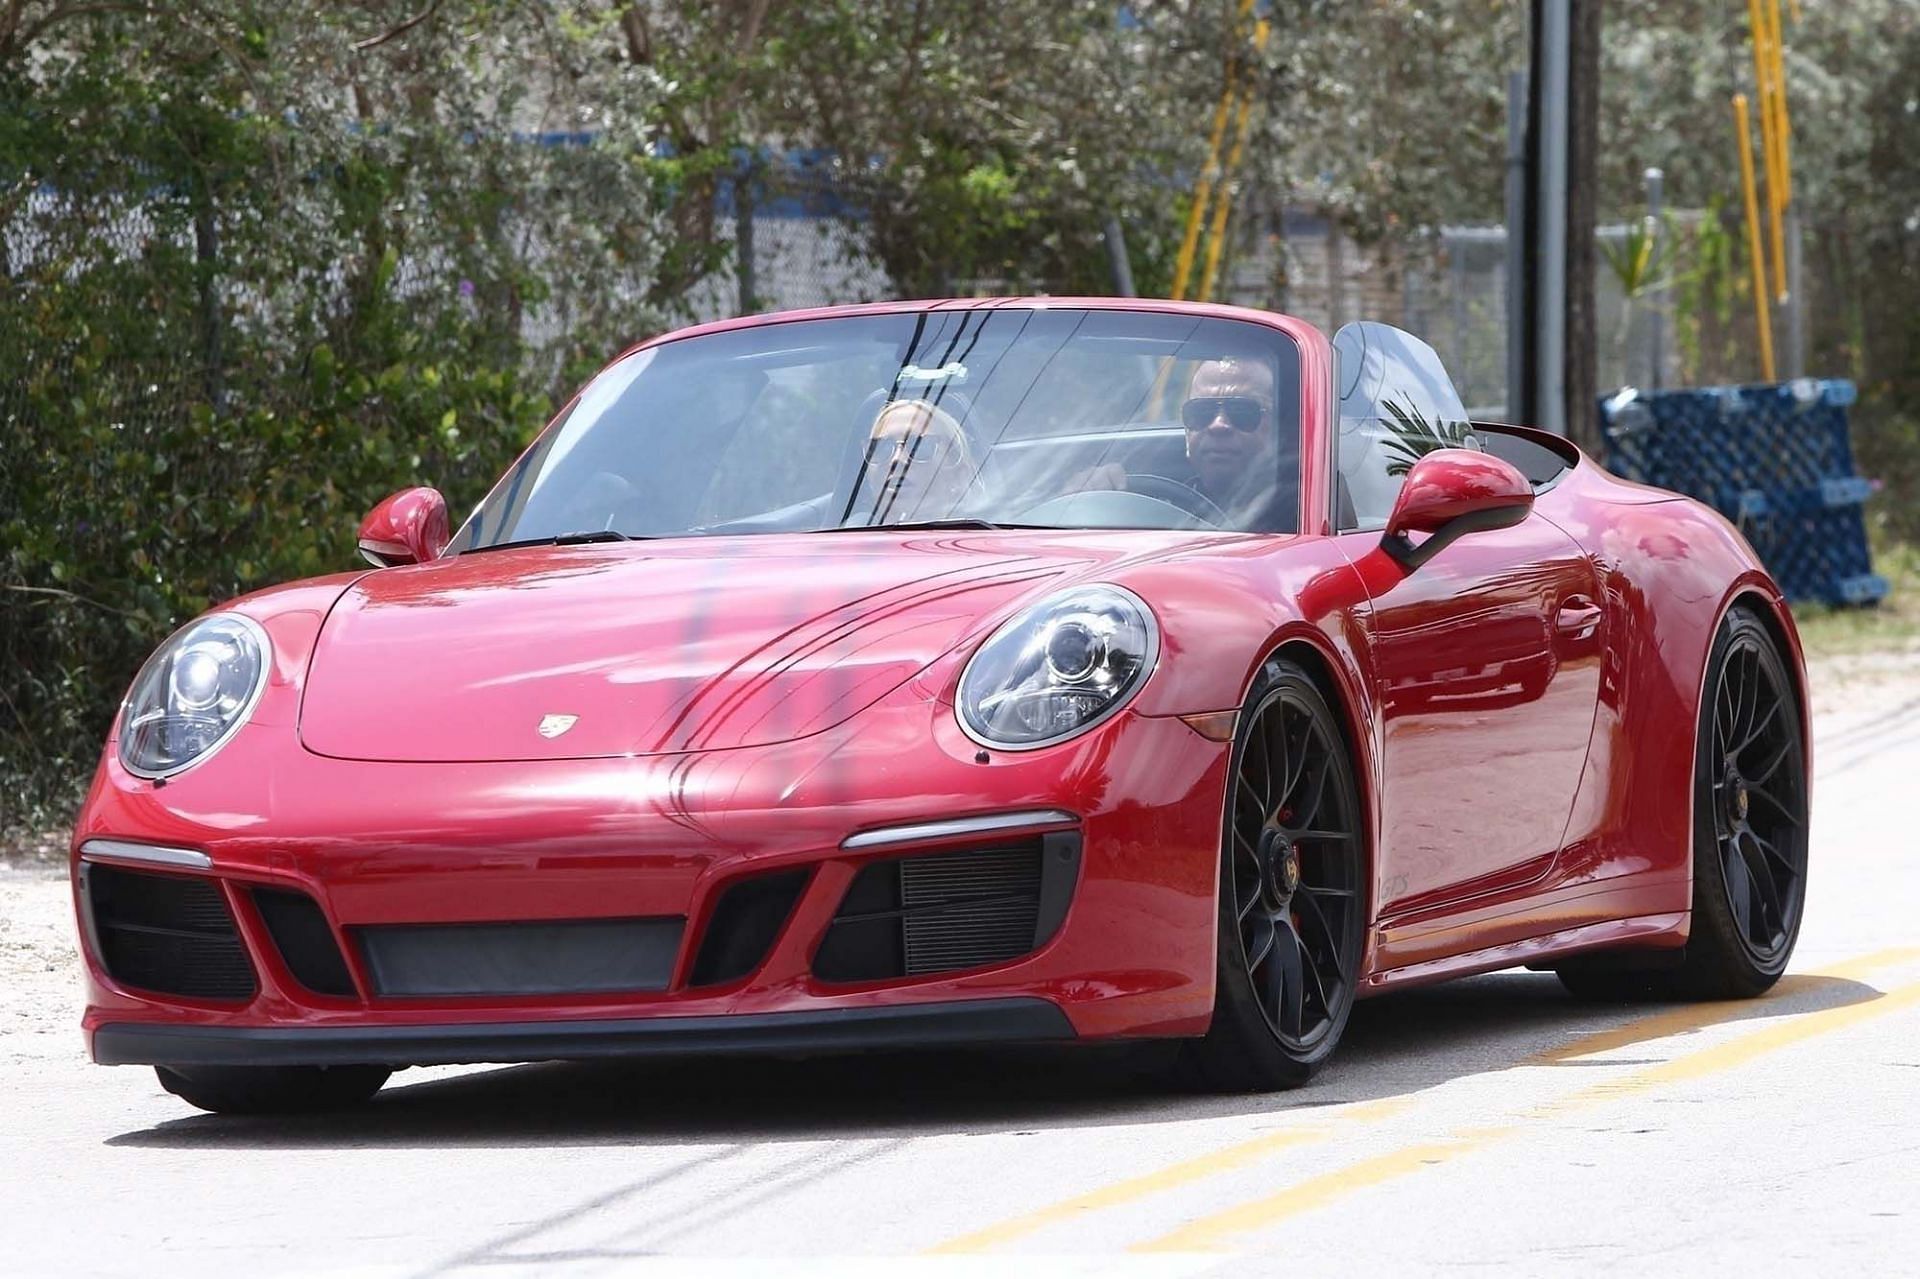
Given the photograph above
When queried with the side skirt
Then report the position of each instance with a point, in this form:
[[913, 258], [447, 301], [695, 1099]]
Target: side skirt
[[1655, 931]]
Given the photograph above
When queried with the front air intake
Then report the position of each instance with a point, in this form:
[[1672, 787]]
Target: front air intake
[[305, 941], [170, 934], [744, 925], [949, 911]]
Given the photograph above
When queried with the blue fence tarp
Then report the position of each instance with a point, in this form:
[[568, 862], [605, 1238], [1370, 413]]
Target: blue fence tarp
[[1777, 460]]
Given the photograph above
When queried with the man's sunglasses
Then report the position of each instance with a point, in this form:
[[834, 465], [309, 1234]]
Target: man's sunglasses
[[1242, 412]]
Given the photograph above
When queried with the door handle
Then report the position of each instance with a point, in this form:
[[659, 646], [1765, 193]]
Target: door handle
[[1578, 617]]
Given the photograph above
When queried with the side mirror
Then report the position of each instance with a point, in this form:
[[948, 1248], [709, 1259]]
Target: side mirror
[[408, 528], [1449, 493]]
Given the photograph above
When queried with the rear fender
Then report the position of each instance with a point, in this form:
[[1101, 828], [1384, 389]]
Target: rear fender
[[1669, 571]]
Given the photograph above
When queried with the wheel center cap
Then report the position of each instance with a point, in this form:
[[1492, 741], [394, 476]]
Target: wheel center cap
[[1282, 867], [1736, 796]]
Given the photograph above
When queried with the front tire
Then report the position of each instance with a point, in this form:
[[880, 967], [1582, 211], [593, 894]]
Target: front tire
[[1292, 901], [1749, 831], [272, 1090]]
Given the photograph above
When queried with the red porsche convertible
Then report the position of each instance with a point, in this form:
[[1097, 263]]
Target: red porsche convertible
[[954, 672]]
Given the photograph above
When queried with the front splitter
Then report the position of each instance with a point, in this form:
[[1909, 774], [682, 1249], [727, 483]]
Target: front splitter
[[952, 1024]]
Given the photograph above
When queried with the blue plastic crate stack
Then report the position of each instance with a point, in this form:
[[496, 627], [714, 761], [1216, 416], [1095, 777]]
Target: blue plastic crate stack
[[1776, 460]]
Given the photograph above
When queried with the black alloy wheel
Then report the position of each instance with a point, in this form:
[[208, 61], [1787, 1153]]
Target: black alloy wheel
[[1750, 819], [1292, 898], [1749, 830]]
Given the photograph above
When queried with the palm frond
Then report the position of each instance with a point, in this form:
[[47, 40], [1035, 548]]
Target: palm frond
[[1413, 436]]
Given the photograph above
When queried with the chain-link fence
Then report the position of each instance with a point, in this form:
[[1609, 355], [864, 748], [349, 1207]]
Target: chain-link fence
[[797, 239]]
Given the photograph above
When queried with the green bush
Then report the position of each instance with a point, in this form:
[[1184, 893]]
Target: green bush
[[143, 485]]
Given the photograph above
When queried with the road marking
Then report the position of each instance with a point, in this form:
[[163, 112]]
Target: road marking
[[1738, 1052], [1674, 1021], [1207, 1233], [1204, 1234], [1658, 1025], [1179, 1174]]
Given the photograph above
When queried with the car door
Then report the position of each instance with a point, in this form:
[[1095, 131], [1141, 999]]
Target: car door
[[1486, 658]]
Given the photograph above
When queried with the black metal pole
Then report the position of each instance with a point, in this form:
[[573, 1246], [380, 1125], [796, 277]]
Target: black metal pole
[[1117, 259], [1518, 251], [743, 235]]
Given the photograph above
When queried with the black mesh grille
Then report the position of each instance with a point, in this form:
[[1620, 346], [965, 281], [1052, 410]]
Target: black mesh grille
[[744, 924], [166, 933], [941, 912], [304, 940], [963, 910]]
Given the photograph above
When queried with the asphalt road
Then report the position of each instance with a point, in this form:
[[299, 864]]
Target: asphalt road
[[1489, 1126]]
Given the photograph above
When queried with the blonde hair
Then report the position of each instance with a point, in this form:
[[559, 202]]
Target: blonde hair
[[951, 468]]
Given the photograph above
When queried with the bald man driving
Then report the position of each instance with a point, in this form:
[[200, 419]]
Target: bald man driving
[[1231, 427]]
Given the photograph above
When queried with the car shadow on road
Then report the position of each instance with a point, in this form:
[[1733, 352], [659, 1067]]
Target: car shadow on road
[[1395, 1045]]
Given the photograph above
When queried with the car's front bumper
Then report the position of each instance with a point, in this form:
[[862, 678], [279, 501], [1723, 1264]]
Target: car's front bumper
[[399, 845]]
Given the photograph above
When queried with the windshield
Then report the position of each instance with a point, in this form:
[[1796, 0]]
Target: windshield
[[1034, 417]]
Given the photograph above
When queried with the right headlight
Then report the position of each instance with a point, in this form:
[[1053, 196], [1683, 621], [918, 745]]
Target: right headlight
[[196, 689], [1058, 668]]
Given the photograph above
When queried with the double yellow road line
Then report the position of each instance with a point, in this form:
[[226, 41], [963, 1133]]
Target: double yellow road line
[[1225, 1159], [1213, 1231]]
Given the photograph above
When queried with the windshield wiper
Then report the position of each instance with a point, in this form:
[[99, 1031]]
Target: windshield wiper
[[582, 538], [593, 535], [922, 525]]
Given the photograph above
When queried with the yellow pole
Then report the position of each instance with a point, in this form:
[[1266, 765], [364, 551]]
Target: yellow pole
[[1202, 193], [1783, 125], [1779, 176], [1776, 216], [1217, 233], [1203, 189], [1769, 139], [1758, 258], [1223, 204]]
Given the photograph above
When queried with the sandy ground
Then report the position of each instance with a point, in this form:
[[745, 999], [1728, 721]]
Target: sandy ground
[[1490, 1125], [1844, 687], [39, 965]]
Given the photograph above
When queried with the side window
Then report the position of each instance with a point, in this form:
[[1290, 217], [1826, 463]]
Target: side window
[[1396, 404]]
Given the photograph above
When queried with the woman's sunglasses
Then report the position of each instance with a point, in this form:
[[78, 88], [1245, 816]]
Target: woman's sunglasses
[[1242, 412], [920, 453]]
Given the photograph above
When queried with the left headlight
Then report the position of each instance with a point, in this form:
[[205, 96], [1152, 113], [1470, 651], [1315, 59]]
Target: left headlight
[[192, 694], [1058, 668]]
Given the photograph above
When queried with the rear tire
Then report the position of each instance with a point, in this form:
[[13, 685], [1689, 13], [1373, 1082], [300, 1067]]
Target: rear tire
[[1292, 895], [272, 1090], [1749, 832]]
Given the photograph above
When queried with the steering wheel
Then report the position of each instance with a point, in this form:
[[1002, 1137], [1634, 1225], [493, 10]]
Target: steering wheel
[[1181, 494]]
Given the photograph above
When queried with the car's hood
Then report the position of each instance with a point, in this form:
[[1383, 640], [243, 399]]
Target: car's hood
[[644, 648]]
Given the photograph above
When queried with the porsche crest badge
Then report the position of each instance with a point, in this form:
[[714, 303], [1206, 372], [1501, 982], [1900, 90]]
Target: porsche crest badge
[[554, 725]]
